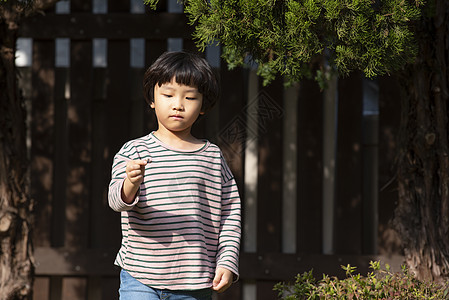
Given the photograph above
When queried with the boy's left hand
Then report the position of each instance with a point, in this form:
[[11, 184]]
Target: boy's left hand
[[223, 280]]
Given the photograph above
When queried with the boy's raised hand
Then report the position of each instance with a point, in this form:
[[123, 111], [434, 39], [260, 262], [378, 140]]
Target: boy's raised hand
[[135, 172]]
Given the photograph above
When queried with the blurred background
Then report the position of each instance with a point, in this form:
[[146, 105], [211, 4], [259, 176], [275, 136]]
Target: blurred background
[[313, 166]]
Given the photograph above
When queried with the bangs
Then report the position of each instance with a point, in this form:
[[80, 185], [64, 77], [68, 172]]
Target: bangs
[[185, 73]]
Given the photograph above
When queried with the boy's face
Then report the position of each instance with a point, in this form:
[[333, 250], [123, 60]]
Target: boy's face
[[177, 106]]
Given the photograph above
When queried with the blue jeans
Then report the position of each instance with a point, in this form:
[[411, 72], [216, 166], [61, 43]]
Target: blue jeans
[[132, 289]]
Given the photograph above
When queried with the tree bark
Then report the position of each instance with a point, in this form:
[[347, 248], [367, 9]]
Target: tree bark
[[422, 214], [16, 206], [16, 265]]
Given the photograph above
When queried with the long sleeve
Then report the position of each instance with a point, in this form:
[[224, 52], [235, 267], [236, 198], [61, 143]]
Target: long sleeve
[[126, 153], [185, 220], [230, 228]]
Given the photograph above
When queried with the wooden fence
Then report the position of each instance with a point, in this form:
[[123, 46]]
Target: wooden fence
[[313, 167]]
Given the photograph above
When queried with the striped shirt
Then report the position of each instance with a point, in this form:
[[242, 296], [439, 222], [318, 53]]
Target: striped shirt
[[185, 220]]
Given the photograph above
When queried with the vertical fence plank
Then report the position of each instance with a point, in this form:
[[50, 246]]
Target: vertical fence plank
[[389, 118], [109, 290], [80, 147], [370, 175], [119, 107], [98, 235], [270, 169], [118, 6], [79, 138], [60, 158], [104, 222], [211, 119], [55, 287], [269, 185], [348, 204], [153, 49], [231, 135], [249, 190], [42, 134], [199, 128], [162, 6], [330, 101], [190, 46], [74, 288], [231, 131], [137, 102], [310, 166], [94, 291], [290, 170], [41, 288], [80, 6]]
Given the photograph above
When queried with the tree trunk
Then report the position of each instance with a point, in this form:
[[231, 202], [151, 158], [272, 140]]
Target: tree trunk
[[422, 214], [16, 265], [16, 206]]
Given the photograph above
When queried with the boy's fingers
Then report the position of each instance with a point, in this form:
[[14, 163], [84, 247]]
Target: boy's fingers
[[217, 287], [220, 287], [136, 164], [142, 162], [220, 282], [135, 169], [216, 280]]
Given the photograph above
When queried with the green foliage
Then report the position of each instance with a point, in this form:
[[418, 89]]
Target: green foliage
[[378, 284], [286, 37]]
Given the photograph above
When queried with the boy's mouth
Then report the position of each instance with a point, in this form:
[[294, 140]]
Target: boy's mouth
[[178, 117]]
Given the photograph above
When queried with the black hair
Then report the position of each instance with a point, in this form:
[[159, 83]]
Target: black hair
[[187, 69]]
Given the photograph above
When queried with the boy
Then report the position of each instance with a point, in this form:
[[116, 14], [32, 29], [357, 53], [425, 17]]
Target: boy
[[179, 202]]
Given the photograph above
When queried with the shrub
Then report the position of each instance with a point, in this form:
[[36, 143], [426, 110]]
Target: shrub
[[381, 283]]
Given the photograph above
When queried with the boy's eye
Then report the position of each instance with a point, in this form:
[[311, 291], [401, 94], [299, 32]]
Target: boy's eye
[[190, 98], [166, 95]]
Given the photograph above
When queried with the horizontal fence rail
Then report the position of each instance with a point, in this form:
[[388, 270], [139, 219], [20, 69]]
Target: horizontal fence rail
[[265, 266], [81, 26]]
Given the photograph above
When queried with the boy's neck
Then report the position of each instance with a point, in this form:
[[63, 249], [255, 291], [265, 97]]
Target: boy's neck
[[183, 140]]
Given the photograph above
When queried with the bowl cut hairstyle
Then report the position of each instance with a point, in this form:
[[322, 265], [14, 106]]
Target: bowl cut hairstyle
[[187, 69]]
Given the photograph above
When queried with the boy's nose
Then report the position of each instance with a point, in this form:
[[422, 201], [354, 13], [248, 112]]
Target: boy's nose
[[177, 104]]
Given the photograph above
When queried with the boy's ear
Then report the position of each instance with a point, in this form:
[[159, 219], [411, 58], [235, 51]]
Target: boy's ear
[[152, 104]]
